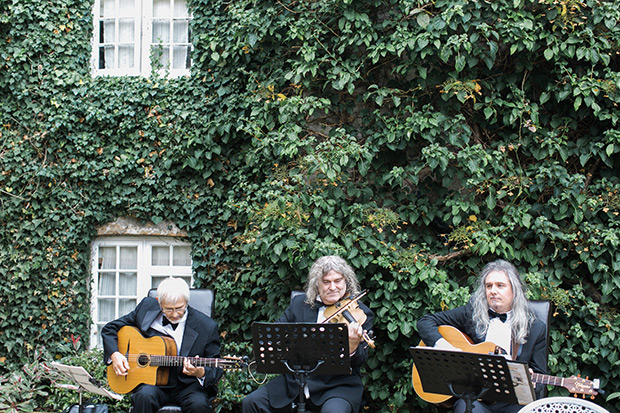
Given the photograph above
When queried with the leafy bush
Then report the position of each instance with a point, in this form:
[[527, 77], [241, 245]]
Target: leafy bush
[[26, 390]]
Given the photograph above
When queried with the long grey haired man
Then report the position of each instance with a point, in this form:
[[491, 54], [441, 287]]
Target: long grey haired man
[[497, 312]]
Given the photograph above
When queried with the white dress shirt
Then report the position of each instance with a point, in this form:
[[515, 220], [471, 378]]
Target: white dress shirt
[[500, 333]]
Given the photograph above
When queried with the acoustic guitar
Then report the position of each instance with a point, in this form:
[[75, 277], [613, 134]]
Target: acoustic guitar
[[575, 385], [151, 358]]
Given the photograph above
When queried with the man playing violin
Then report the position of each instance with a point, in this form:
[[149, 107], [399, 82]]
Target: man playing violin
[[497, 312], [330, 280]]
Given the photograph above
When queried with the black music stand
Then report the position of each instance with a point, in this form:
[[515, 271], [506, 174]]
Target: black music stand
[[82, 382], [472, 376], [302, 349]]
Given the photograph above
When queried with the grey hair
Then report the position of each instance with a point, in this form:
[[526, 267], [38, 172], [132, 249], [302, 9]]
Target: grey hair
[[522, 315], [171, 289], [324, 265]]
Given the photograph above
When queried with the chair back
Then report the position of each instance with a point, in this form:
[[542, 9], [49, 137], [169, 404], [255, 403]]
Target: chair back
[[295, 293], [201, 299], [563, 405], [542, 310]]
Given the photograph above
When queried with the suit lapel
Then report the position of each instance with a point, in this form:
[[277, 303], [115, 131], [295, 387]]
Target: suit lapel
[[148, 319], [310, 313], [191, 333]]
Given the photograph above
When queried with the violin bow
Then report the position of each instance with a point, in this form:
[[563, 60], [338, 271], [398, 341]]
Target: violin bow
[[346, 306]]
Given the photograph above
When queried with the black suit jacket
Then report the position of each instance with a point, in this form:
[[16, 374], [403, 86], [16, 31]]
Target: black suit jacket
[[200, 338], [284, 389], [533, 351]]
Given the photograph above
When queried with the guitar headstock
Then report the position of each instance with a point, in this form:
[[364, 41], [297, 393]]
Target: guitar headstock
[[578, 385], [233, 363]]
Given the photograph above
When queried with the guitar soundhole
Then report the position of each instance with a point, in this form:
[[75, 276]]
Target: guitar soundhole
[[143, 360]]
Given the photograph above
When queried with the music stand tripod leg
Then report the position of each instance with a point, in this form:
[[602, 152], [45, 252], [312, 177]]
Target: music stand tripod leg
[[80, 400], [301, 403], [468, 397], [302, 378]]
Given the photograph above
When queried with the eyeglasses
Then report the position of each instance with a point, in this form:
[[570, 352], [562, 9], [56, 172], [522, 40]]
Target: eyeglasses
[[179, 310]]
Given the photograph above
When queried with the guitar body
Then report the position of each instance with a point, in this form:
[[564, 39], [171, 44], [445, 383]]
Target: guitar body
[[138, 350], [459, 340], [454, 336]]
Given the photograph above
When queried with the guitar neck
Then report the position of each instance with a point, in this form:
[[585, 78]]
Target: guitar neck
[[173, 361], [545, 379], [574, 384]]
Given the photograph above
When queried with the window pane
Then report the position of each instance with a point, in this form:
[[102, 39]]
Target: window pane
[[106, 31], [106, 57], [181, 57], [107, 258], [161, 8], [181, 256], [126, 7], [160, 255], [106, 310], [126, 30], [164, 58], [157, 279], [98, 335], [180, 33], [106, 8], [128, 258], [125, 57], [126, 306], [107, 283], [180, 8], [128, 283], [161, 31]]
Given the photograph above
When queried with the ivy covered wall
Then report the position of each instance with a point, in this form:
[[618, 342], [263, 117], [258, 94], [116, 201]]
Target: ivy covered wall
[[419, 140]]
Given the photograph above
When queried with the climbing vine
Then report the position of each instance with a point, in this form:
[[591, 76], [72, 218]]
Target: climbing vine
[[419, 140]]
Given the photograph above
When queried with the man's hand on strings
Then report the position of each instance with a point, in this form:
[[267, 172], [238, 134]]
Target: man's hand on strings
[[191, 370], [355, 336], [119, 364]]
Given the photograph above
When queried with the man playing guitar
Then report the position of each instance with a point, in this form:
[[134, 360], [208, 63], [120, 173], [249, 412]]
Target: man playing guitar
[[195, 335], [497, 312]]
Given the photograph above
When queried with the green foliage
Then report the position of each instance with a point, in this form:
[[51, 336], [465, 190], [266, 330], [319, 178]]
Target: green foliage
[[26, 389], [61, 398], [419, 140]]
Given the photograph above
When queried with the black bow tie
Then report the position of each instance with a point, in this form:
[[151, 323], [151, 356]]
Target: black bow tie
[[165, 322], [493, 314]]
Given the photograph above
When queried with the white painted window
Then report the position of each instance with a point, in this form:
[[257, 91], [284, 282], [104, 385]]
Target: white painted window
[[125, 268], [130, 36]]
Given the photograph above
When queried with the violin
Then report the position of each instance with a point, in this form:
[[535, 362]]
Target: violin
[[348, 311]]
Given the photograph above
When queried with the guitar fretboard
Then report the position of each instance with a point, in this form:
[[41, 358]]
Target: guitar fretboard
[[575, 385], [173, 361], [545, 379]]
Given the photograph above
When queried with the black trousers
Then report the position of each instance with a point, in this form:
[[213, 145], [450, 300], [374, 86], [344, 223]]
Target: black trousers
[[191, 398], [479, 407], [258, 402]]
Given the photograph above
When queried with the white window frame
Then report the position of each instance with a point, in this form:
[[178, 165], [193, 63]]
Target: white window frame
[[146, 272], [142, 14]]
